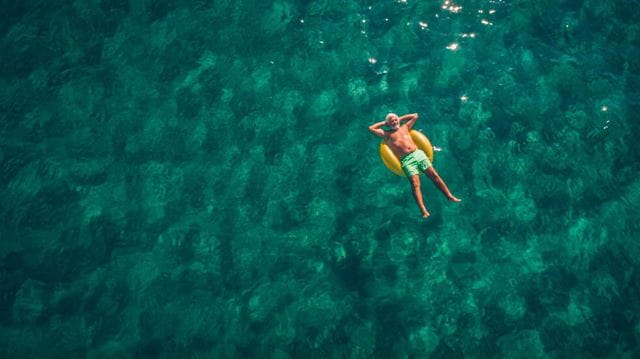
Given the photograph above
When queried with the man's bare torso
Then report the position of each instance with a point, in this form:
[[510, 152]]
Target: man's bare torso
[[400, 141]]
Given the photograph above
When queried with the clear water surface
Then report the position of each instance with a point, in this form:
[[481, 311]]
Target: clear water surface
[[194, 179]]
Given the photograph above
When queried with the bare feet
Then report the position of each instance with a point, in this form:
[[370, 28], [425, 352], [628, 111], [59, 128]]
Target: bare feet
[[425, 214], [453, 198]]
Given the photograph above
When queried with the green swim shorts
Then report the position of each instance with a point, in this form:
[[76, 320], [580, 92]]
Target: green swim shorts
[[414, 163]]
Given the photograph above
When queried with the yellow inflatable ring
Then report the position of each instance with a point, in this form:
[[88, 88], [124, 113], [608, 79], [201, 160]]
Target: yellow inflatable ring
[[393, 163]]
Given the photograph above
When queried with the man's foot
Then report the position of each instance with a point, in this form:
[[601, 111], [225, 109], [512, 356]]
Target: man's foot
[[453, 198], [425, 214]]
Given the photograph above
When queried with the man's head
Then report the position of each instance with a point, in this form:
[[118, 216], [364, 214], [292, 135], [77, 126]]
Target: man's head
[[393, 121]]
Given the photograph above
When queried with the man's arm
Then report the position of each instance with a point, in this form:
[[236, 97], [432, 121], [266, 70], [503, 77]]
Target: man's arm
[[410, 118], [376, 130]]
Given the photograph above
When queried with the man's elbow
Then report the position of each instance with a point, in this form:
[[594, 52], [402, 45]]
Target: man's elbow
[[374, 131]]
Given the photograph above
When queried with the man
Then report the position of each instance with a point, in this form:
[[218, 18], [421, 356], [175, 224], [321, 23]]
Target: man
[[412, 160]]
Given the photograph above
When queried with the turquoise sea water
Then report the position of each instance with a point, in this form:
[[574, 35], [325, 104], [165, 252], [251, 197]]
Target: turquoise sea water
[[195, 179]]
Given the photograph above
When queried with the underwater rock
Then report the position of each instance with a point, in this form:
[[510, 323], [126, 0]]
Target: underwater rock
[[524, 344], [31, 301], [277, 18], [423, 341]]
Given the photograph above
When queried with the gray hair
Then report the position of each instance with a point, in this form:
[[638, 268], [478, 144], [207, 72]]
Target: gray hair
[[390, 115]]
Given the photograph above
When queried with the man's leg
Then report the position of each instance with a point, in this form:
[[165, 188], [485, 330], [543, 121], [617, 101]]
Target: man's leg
[[431, 172], [417, 194]]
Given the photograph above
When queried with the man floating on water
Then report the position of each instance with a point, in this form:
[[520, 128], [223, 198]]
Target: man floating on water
[[412, 159]]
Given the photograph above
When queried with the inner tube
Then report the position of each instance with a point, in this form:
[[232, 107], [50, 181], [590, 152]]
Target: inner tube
[[393, 163]]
